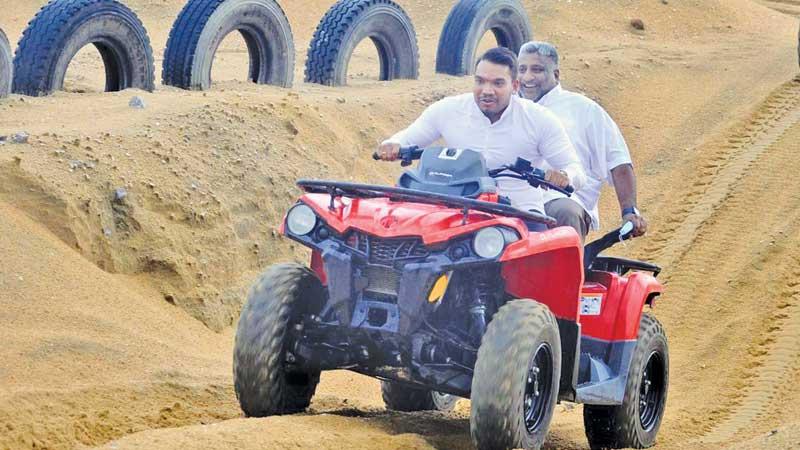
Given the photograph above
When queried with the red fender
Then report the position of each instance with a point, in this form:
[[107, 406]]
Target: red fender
[[623, 299], [546, 267], [641, 287]]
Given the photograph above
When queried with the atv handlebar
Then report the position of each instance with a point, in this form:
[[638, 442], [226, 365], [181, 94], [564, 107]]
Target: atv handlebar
[[523, 170], [407, 155]]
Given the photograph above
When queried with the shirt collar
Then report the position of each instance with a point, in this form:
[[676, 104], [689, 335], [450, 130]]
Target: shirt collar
[[550, 96]]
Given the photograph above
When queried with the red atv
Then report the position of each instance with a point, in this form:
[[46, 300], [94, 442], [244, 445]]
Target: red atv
[[438, 288]]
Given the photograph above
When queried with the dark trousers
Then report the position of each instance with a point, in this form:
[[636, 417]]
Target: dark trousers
[[568, 213]]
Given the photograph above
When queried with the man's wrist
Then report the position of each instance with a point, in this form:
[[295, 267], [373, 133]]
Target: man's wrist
[[630, 210]]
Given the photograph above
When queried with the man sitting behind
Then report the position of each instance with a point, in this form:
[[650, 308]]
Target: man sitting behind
[[495, 121], [596, 138]]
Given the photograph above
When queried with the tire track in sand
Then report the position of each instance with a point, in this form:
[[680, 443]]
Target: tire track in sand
[[766, 201], [722, 172], [778, 353]]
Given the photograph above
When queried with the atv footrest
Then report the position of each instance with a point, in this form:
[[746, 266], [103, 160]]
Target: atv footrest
[[603, 371]]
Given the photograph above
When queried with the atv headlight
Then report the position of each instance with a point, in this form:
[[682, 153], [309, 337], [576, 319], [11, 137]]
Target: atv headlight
[[489, 243], [301, 220]]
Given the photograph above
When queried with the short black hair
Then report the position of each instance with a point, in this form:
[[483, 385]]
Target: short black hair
[[501, 56]]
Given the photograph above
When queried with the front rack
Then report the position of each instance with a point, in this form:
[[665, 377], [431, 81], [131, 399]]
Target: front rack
[[357, 190]]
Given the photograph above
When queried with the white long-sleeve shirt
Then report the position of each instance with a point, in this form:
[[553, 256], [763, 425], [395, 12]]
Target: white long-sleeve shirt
[[524, 130], [597, 140]]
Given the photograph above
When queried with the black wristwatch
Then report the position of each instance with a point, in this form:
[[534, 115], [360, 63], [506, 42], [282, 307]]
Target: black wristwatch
[[630, 210]]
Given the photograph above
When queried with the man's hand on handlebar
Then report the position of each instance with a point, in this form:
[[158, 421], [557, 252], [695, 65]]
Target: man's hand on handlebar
[[639, 224], [557, 177], [388, 151]]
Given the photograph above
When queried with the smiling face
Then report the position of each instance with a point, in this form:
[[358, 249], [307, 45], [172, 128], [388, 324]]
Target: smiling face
[[537, 75], [494, 86]]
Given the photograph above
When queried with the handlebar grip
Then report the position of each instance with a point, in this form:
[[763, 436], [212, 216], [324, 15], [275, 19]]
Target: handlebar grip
[[569, 189], [406, 155]]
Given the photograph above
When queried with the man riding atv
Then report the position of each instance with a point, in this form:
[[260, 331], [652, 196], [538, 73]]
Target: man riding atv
[[496, 122], [439, 285], [597, 140]]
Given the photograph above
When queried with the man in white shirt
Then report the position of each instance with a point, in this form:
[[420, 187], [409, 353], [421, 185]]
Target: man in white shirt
[[596, 138], [502, 126]]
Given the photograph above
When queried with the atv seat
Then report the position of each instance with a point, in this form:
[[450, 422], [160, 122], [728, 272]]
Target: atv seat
[[621, 266], [450, 171]]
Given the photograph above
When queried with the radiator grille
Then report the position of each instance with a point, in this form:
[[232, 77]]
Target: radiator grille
[[387, 251]]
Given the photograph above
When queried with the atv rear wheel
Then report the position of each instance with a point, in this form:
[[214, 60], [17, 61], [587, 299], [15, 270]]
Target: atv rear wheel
[[635, 423], [516, 379], [401, 397], [265, 384]]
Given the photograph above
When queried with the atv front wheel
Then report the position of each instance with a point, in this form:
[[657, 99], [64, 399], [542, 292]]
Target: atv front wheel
[[515, 384], [635, 423], [401, 397], [265, 385]]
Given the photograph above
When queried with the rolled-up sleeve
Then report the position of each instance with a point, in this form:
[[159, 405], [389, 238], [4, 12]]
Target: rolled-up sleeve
[[424, 131], [557, 150]]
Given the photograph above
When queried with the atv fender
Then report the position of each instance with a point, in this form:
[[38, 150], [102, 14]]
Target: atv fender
[[641, 289], [609, 339], [546, 267]]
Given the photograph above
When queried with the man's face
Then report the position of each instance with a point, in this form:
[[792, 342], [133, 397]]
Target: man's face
[[493, 88], [537, 75]]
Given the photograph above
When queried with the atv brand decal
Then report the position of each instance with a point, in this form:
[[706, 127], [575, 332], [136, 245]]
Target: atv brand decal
[[440, 174], [591, 304]]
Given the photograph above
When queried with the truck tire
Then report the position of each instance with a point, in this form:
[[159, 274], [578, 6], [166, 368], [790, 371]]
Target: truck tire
[[348, 22], [466, 24], [6, 65], [265, 384], [635, 423], [401, 397], [203, 24], [516, 379], [62, 27]]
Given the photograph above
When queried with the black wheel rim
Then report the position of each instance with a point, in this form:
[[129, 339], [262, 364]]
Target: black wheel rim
[[442, 401], [537, 388], [651, 390]]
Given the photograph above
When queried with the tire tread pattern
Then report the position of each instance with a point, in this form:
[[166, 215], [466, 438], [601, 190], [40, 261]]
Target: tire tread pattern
[[260, 380], [496, 403], [6, 65], [618, 426], [41, 42], [462, 19], [183, 39], [328, 39]]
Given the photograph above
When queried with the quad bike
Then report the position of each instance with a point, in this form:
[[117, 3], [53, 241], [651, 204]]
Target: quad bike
[[438, 288]]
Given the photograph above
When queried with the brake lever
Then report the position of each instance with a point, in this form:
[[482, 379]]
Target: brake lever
[[536, 178]]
